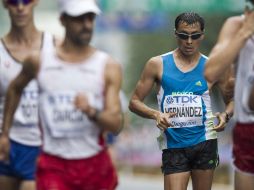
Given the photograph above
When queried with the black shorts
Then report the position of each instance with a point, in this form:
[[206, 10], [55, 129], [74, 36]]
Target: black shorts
[[202, 156]]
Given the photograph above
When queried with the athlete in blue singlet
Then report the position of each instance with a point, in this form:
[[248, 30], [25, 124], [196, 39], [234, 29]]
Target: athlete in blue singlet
[[188, 136], [187, 95]]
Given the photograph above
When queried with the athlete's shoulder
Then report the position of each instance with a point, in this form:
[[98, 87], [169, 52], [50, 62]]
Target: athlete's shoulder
[[153, 66], [167, 54], [102, 53], [156, 59], [109, 59], [112, 67], [154, 63], [232, 24], [235, 20], [159, 58]]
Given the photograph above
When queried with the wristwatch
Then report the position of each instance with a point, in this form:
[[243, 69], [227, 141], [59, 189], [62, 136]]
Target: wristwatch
[[227, 118]]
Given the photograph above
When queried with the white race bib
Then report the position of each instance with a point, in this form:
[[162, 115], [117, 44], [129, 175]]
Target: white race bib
[[27, 111], [62, 117], [188, 109]]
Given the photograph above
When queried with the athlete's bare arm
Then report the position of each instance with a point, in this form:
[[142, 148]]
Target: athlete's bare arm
[[221, 55], [224, 116], [232, 38], [144, 86], [226, 86], [151, 75], [111, 117], [13, 95], [28, 72]]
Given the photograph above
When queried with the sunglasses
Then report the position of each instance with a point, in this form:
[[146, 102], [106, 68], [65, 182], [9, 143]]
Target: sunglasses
[[184, 36], [17, 2]]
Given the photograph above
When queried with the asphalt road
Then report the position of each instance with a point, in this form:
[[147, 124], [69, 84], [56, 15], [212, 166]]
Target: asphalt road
[[131, 182]]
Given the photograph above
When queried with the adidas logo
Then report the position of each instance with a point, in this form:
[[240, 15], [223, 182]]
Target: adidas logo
[[198, 83]]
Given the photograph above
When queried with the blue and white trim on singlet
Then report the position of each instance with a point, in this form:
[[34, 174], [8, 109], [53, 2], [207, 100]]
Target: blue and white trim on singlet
[[187, 94]]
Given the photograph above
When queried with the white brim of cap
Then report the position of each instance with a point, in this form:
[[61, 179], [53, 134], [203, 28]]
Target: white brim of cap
[[83, 7]]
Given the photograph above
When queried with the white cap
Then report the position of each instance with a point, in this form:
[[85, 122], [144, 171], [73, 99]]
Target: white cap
[[78, 7]]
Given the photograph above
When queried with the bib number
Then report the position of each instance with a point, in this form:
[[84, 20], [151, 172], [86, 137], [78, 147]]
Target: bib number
[[188, 109]]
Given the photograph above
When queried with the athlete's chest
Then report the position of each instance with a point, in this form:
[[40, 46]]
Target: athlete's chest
[[77, 78]]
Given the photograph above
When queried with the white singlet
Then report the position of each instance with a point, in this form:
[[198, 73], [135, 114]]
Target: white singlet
[[67, 132], [244, 83], [25, 128]]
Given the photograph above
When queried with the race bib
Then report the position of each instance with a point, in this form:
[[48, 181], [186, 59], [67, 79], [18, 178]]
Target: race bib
[[61, 116], [27, 111], [188, 109]]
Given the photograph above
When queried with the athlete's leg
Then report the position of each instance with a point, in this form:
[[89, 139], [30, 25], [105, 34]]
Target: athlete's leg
[[204, 162], [244, 181], [23, 164], [27, 185], [202, 179], [177, 181], [176, 168], [9, 183], [8, 179]]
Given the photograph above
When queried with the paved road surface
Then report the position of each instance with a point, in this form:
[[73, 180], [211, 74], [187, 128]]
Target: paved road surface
[[131, 182]]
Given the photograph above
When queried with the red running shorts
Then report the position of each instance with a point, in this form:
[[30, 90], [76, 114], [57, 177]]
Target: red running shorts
[[243, 147], [94, 173]]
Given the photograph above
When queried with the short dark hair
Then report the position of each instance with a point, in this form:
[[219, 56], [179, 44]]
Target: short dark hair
[[190, 18]]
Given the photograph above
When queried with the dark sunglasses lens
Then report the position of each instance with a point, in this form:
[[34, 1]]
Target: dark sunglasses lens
[[182, 36], [195, 36], [17, 2]]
